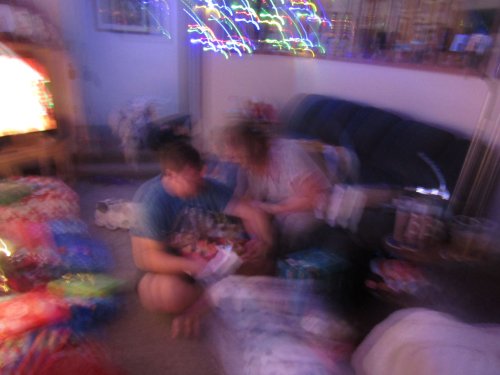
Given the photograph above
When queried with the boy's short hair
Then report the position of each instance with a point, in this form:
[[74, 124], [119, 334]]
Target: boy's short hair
[[176, 156]]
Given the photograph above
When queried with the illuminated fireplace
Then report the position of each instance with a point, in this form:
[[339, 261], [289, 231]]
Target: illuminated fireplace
[[26, 104]]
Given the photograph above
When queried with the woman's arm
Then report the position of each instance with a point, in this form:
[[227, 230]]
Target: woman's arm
[[306, 192], [257, 224]]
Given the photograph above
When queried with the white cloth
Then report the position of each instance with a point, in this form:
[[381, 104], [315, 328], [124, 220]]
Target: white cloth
[[270, 326], [423, 342], [346, 206]]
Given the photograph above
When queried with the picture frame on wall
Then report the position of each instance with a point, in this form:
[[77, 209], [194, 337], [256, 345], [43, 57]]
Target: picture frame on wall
[[129, 16]]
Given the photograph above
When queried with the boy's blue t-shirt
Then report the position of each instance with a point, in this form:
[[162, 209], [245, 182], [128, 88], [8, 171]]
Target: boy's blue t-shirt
[[158, 210]]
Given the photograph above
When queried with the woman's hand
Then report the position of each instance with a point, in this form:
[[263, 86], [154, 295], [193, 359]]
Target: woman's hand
[[257, 225], [256, 250]]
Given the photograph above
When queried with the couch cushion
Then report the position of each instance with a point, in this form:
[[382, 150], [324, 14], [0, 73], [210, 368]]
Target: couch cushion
[[398, 152], [367, 127], [300, 112], [387, 146], [371, 174], [337, 115], [320, 117]]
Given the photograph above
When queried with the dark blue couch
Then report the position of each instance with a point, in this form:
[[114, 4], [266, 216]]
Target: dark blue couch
[[390, 148], [388, 145]]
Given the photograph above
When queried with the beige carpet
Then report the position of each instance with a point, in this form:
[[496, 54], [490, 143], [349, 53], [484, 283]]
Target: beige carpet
[[139, 341]]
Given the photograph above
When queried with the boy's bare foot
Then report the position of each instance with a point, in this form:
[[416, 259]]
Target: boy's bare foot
[[188, 323]]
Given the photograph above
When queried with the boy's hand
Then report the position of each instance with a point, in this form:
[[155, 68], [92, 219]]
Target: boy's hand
[[195, 265]]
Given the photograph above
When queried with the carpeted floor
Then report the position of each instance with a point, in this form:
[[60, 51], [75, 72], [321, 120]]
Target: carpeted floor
[[139, 341]]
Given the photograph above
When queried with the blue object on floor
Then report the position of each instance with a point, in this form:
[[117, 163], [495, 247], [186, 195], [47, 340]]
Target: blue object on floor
[[90, 313], [322, 265], [78, 251]]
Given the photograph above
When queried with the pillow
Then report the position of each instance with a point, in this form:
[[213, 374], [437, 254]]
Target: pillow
[[339, 164]]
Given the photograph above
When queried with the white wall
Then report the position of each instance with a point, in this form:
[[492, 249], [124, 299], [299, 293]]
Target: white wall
[[450, 100], [453, 101], [113, 68], [226, 83]]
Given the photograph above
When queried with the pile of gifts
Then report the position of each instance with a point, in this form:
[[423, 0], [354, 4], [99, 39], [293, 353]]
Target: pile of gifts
[[32, 254], [53, 284], [53, 290]]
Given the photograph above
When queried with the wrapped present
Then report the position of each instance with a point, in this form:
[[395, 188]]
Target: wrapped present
[[79, 252], [11, 192], [90, 296], [23, 312], [50, 199], [89, 313], [26, 234], [85, 285], [25, 353], [40, 252], [200, 233], [224, 263], [321, 265], [30, 244], [28, 280], [66, 226], [28, 255]]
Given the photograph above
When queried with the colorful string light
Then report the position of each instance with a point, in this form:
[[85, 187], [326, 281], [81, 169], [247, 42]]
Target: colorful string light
[[241, 26], [4, 248]]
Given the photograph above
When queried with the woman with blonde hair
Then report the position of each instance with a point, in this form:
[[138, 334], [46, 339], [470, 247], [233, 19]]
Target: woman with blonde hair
[[279, 177]]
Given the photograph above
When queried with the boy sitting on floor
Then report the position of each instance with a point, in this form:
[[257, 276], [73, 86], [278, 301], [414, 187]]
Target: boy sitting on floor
[[169, 283]]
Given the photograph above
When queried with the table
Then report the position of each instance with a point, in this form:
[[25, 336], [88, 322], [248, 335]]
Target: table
[[42, 152], [468, 288]]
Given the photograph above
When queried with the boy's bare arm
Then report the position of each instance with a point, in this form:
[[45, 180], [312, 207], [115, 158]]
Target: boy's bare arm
[[149, 256]]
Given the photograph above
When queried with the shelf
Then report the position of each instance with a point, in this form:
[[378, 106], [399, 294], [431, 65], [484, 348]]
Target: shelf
[[42, 152]]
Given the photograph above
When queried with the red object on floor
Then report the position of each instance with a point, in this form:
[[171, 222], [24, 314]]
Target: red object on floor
[[76, 361], [28, 311]]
